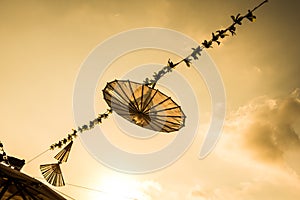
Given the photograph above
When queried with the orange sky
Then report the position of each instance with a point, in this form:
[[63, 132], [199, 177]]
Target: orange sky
[[44, 43]]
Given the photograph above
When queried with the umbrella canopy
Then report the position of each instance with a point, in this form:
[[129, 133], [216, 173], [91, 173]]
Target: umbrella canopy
[[16, 185], [144, 106]]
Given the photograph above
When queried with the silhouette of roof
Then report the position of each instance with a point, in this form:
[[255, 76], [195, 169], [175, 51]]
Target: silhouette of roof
[[19, 186]]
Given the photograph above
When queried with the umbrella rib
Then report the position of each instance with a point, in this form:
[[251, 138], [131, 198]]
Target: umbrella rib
[[147, 98], [164, 125], [158, 104], [150, 124], [123, 108], [153, 125], [125, 112], [164, 110], [121, 103], [113, 89], [124, 93], [167, 116], [111, 97], [158, 119], [123, 98], [156, 127], [150, 100], [142, 97], [137, 105]]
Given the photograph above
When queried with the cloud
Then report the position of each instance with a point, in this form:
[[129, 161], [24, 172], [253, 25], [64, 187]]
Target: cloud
[[150, 190], [269, 129], [199, 192], [261, 148], [258, 189]]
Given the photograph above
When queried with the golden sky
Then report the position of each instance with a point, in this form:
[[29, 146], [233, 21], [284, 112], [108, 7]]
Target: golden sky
[[44, 43]]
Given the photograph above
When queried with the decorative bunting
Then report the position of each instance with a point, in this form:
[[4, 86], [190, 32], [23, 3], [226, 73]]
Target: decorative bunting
[[63, 155], [237, 20], [53, 175], [143, 106], [81, 129]]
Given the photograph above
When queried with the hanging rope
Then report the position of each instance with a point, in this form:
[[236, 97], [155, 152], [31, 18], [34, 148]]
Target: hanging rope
[[90, 189], [73, 135], [63, 194], [99, 191], [219, 34], [37, 156]]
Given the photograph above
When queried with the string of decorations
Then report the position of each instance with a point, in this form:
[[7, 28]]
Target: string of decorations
[[52, 172], [216, 36], [133, 101], [81, 129]]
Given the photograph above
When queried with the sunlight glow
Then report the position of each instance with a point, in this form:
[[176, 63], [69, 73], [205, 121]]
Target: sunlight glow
[[119, 187]]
